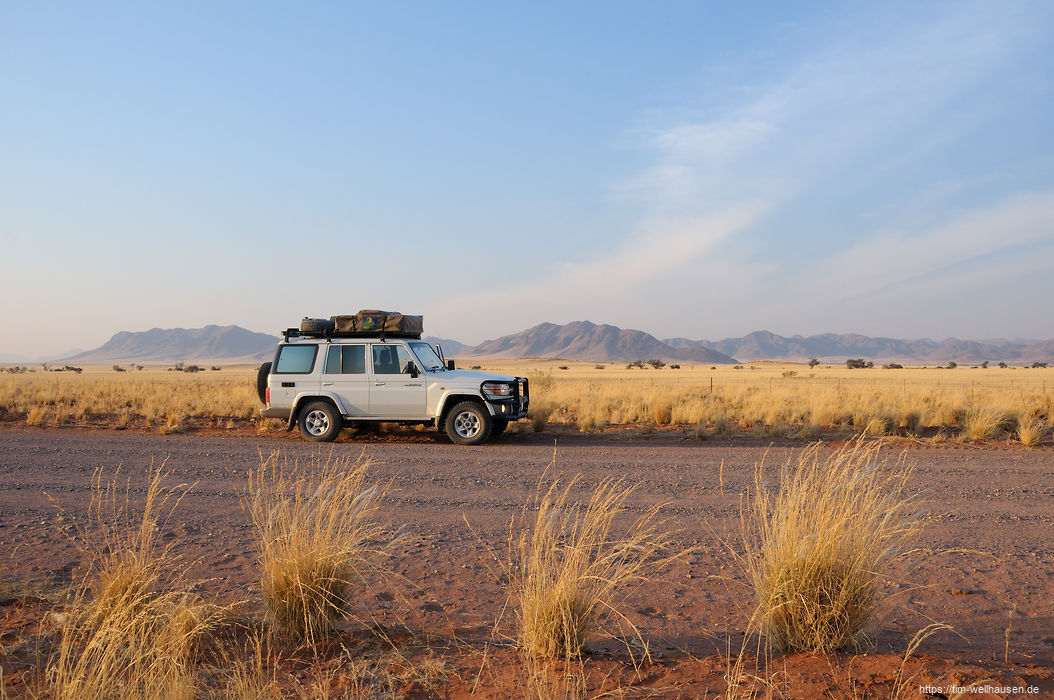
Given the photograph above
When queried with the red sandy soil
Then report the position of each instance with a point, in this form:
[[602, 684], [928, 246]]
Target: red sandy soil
[[985, 566]]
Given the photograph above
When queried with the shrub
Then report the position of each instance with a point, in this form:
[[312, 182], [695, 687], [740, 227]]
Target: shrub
[[813, 362], [893, 365], [318, 536], [859, 363], [570, 565], [656, 363], [817, 548]]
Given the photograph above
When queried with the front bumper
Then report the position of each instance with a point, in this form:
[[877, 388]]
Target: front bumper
[[514, 407]]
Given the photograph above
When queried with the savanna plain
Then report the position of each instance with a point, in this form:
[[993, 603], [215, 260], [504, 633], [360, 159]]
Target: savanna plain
[[766, 530]]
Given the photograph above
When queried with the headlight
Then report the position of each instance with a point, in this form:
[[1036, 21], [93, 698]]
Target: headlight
[[497, 390]]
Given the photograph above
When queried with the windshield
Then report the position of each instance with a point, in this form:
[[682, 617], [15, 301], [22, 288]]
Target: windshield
[[426, 355]]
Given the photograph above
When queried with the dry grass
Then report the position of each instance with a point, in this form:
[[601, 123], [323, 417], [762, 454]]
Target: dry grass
[[166, 401], [767, 398], [1031, 431], [570, 563], [724, 401], [318, 536], [124, 637], [817, 549]]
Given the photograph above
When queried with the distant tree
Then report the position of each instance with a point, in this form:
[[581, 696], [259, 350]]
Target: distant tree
[[1037, 365], [984, 365], [656, 363], [952, 365], [892, 365], [813, 362], [858, 363], [1002, 365], [118, 368]]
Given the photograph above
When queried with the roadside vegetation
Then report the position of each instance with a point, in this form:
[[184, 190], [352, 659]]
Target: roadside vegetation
[[799, 402]]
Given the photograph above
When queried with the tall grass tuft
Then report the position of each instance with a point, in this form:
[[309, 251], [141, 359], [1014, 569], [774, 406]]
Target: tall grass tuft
[[816, 549], [571, 564], [318, 536], [982, 423], [1031, 431], [123, 637]]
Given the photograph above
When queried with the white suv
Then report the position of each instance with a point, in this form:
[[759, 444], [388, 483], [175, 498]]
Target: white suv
[[324, 383]]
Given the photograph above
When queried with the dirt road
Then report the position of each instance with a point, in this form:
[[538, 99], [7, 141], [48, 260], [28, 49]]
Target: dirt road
[[986, 564]]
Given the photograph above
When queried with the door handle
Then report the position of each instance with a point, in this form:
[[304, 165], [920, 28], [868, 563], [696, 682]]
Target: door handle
[[379, 384], [327, 383]]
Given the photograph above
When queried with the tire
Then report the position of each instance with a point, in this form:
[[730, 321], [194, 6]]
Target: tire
[[319, 421], [500, 424], [317, 325], [468, 423], [261, 381]]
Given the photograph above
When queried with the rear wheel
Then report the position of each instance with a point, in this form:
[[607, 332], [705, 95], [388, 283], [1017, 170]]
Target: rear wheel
[[468, 423], [319, 421]]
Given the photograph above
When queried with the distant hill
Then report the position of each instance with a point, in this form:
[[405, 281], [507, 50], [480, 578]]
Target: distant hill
[[582, 340], [830, 347], [187, 344], [451, 348]]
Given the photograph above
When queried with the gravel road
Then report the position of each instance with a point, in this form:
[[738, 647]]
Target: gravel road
[[986, 555]]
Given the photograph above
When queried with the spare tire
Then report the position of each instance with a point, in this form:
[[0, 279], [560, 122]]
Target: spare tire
[[317, 325], [261, 381]]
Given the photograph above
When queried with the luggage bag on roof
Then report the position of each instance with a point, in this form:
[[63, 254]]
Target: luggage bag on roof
[[374, 321]]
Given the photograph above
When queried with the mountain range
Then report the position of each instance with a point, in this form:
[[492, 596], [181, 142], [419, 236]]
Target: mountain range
[[230, 343], [582, 340]]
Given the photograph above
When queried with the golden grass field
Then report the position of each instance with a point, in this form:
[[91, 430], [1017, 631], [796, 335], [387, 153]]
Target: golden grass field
[[762, 398]]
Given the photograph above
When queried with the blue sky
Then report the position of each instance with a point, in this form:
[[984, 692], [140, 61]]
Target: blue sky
[[683, 168]]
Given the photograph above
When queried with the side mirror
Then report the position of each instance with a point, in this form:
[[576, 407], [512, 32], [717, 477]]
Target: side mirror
[[412, 369], [450, 364]]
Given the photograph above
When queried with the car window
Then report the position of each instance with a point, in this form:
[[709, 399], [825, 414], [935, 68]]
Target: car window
[[427, 355], [295, 359], [346, 359], [391, 359]]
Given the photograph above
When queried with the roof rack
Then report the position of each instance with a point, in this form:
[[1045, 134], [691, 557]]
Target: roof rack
[[297, 333]]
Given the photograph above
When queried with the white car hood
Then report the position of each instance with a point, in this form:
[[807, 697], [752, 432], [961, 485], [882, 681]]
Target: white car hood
[[468, 375]]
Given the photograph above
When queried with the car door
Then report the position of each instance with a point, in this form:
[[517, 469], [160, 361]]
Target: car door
[[345, 375], [394, 393], [293, 373]]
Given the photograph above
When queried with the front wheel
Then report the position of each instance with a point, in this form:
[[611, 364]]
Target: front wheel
[[468, 423], [319, 422]]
